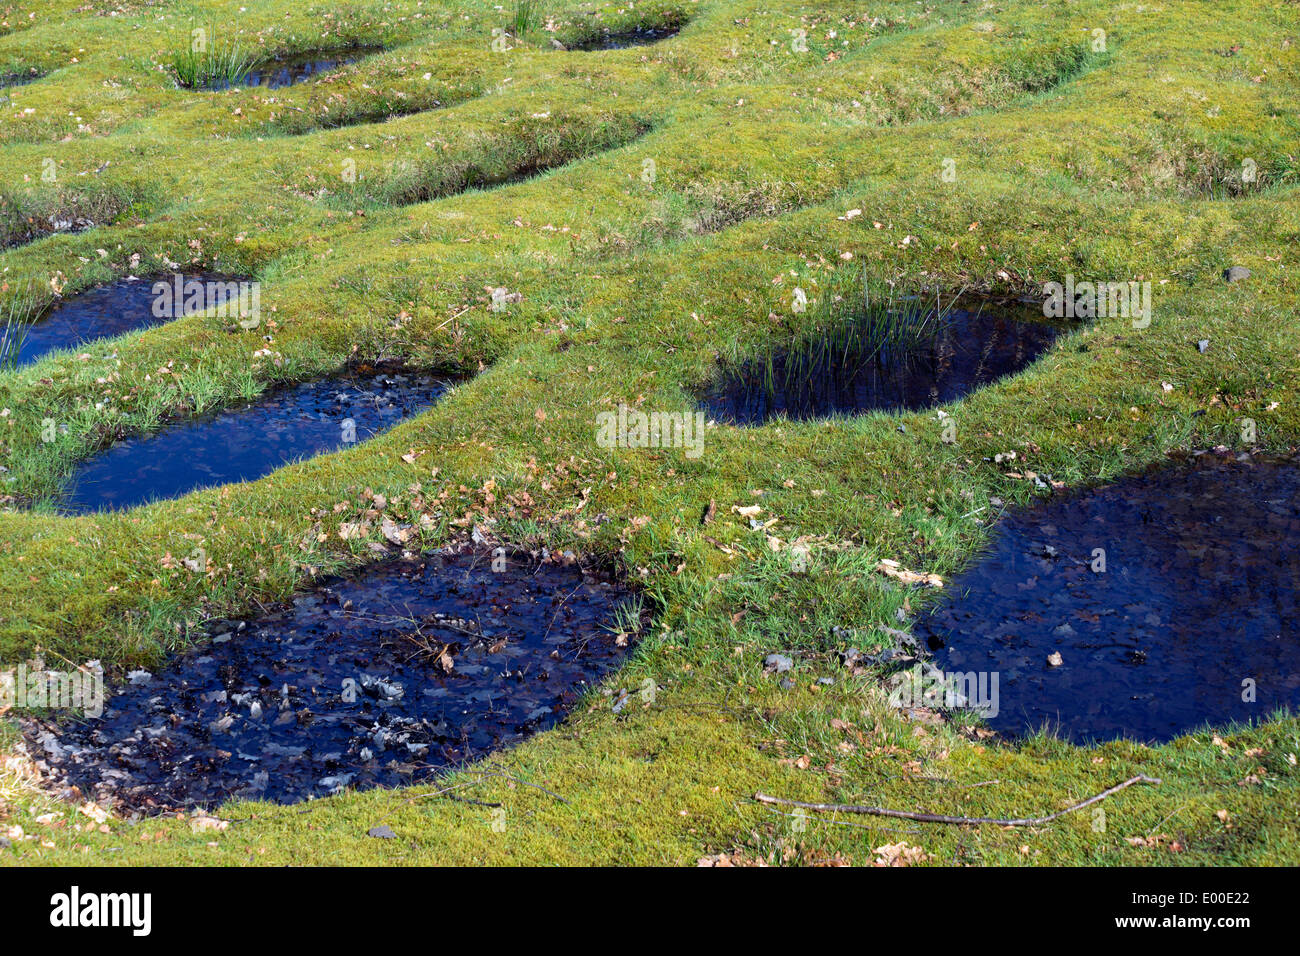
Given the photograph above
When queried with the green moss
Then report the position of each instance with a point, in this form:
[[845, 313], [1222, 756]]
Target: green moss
[[1119, 163]]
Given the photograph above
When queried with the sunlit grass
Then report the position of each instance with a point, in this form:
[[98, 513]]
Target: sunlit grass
[[772, 169]]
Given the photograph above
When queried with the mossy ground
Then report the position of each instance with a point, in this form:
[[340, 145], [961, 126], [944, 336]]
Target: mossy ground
[[1115, 164]]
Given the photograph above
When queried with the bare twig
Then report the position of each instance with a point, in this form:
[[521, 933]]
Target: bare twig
[[846, 823], [941, 818]]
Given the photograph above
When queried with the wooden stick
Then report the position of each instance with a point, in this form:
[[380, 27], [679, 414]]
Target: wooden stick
[[941, 818], [846, 823]]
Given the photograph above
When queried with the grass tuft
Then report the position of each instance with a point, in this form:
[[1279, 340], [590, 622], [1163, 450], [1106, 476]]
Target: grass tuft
[[526, 18], [206, 60], [20, 309]]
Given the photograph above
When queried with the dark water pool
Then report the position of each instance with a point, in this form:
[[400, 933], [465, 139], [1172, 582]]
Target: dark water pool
[[608, 40], [109, 310], [242, 444], [844, 373], [19, 229], [272, 74], [347, 687], [19, 79], [1200, 592]]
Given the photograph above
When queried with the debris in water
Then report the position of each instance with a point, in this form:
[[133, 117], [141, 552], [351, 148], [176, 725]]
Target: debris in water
[[243, 444], [329, 692], [109, 310], [1174, 595]]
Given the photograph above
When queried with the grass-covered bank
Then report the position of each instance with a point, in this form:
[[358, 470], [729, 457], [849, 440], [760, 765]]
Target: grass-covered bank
[[937, 147]]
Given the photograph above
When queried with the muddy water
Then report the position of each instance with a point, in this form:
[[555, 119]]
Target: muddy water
[[812, 379], [1198, 604], [349, 686], [242, 444], [106, 311], [272, 74]]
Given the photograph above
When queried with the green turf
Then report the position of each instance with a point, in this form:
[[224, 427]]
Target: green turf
[[655, 207]]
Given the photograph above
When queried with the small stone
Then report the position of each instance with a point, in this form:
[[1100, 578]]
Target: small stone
[[826, 681], [1236, 273], [1054, 659], [777, 663], [382, 833], [1202, 345], [787, 683]]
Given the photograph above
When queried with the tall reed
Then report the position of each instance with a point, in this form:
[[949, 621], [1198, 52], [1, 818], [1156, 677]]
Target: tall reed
[[850, 330], [16, 317], [209, 62], [527, 17]]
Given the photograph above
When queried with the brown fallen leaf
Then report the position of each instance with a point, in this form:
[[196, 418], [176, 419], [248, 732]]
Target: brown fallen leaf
[[894, 570], [397, 534], [200, 823], [899, 854]]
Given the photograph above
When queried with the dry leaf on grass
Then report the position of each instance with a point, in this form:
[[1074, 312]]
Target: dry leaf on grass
[[896, 571], [899, 854]]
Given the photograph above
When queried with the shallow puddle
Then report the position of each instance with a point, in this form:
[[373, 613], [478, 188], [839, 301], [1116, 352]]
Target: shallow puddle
[[372, 681], [122, 306], [19, 79], [627, 38], [1170, 597], [858, 367], [242, 444], [272, 74]]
